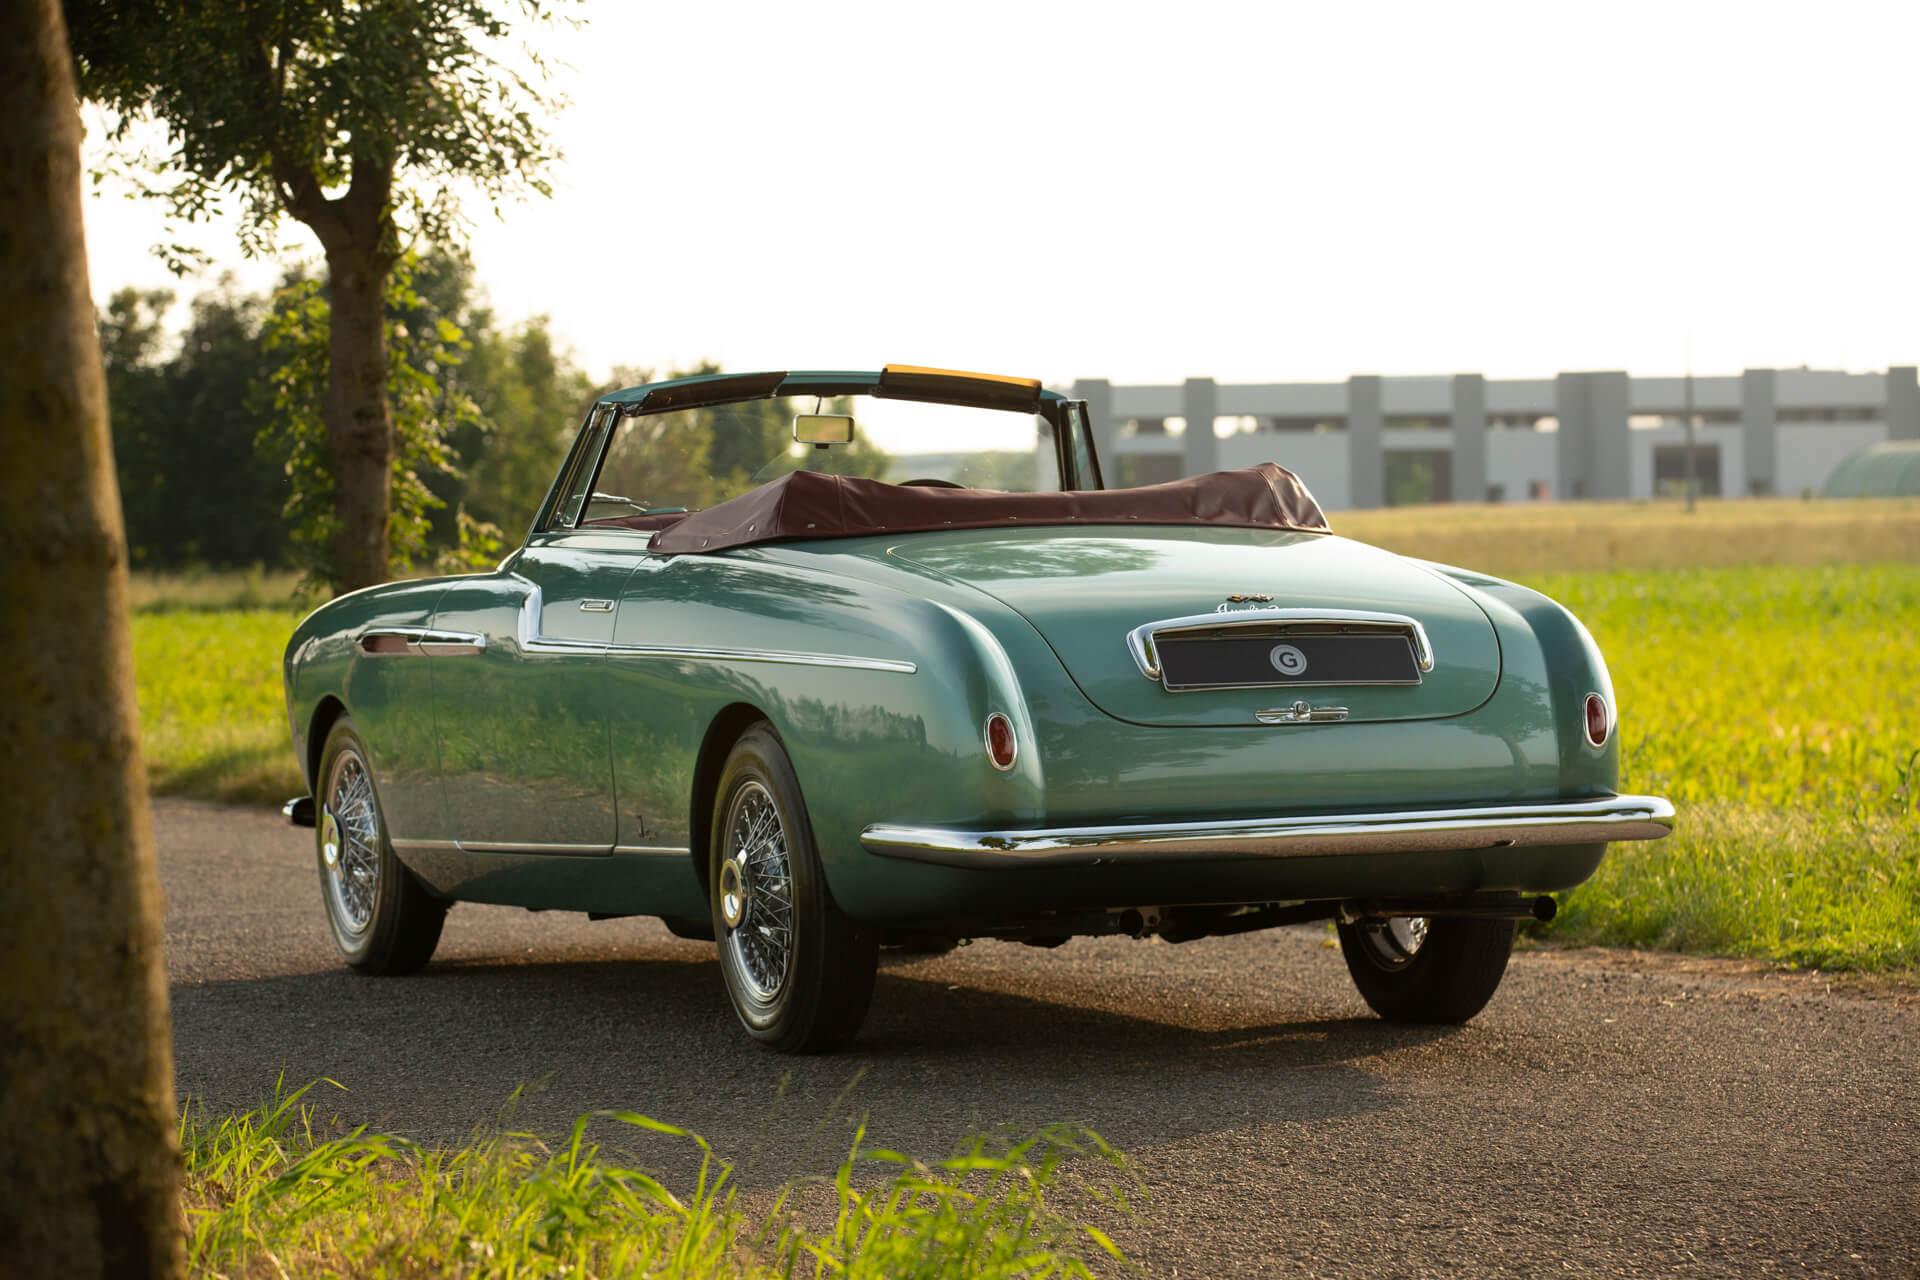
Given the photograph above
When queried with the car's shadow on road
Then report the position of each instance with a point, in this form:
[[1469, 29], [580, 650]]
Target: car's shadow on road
[[439, 1053]]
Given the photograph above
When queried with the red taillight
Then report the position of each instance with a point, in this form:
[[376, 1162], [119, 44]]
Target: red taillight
[[1598, 718], [1001, 747]]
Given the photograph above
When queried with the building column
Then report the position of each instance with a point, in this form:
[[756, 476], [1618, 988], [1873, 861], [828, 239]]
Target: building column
[[1366, 457], [1570, 477], [1759, 433], [1468, 419], [1903, 403], [1609, 435], [1098, 393], [1197, 403]]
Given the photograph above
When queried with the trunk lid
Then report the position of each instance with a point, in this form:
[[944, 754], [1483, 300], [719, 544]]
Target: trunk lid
[[1085, 590]]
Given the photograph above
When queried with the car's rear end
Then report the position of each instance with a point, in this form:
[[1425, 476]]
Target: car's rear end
[[1207, 717]]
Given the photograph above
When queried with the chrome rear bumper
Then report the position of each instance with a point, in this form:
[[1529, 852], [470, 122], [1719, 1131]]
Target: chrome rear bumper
[[1412, 831]]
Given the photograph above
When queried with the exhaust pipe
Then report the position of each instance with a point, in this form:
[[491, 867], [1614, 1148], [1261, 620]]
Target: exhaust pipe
[[1510, 906]]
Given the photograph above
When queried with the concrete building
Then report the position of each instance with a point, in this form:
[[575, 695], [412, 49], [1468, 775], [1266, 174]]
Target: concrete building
[[1373, 441]]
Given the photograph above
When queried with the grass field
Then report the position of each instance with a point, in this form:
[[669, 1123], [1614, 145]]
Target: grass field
[[277, 1192], [1775, 701], [212, 714], [1523, 540], [1779, 708]]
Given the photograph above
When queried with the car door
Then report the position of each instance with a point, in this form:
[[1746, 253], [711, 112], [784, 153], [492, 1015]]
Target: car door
[[523, 726]]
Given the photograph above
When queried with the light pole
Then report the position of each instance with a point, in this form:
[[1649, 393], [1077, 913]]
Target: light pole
[[1692, 482]]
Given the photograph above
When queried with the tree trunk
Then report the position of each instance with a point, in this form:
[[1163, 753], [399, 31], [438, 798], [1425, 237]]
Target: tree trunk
[[359, 424], [89, 1173]]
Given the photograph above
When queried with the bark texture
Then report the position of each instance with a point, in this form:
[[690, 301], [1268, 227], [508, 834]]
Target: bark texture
[[356, 230], [89, 1175], [359, 423]]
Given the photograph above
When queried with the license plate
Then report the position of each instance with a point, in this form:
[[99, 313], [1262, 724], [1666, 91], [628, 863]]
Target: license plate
[[1260, 662]]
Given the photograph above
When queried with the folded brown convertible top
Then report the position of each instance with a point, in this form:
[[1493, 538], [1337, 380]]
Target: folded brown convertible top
[[807, 504]]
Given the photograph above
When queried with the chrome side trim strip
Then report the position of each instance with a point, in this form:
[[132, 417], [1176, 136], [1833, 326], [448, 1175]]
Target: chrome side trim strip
[[1315, 835], [790, 658], [527, 632], [422, 846], [419, 642], [652, 850], [1140, 639], [531, 641], [511, 846]]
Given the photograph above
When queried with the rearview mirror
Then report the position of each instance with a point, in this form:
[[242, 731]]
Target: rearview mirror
[[823, 429]]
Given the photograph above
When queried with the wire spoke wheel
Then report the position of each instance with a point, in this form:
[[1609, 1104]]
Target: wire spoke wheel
[[350, 844], [797, 971], [383, 920], [756, 886]]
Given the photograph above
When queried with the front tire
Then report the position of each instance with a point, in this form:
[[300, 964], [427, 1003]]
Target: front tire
[[382, 918], [1423, 969], [798, 972]]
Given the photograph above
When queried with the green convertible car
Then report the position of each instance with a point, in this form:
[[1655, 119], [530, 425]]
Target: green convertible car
[[816, 663]]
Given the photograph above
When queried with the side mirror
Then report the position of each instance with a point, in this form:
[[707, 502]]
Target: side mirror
[[823, 429]]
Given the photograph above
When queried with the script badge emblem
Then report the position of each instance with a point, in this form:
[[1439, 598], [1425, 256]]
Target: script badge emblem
[[1287, 660]]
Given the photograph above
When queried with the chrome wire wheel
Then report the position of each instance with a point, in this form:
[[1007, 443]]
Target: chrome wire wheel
[[1393, 943], [350, 845], [756, 895]]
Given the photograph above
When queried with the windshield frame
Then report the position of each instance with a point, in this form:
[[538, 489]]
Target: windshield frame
[[1079, 467]]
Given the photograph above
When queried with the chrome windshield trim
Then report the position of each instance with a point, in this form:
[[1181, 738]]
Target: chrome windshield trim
[[1563, 822], [419, 642], [1140, 639]]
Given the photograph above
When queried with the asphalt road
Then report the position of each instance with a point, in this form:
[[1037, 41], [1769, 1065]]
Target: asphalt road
[[1607, 1114]]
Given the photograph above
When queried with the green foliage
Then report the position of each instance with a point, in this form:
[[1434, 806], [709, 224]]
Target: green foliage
[[269, 105], [425, 348], [192, 486], [220, 449], [532, 399], [274, 1191], [328, 112]]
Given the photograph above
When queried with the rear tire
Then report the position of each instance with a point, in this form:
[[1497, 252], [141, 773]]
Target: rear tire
[[382, 918], [1419, 969], [798, 972]]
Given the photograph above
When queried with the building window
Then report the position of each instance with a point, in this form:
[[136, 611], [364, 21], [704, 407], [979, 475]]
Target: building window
[[1147, 468], [1417, 476], [1522, 422], [1670, 470], [1303, 424], [1851, 413], [1418, 422]]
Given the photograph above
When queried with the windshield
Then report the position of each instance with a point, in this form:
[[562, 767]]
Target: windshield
[[687, 459]]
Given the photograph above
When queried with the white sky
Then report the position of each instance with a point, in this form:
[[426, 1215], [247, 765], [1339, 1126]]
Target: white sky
[[1257, 192]]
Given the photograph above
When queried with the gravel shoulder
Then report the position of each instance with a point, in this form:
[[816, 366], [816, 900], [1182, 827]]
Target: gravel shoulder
[[1610, 1113]]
